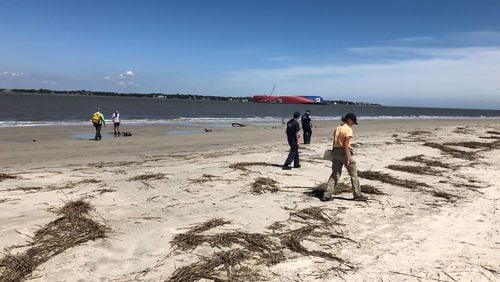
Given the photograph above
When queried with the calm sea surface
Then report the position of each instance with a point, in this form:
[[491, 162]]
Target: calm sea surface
[[31, 109]]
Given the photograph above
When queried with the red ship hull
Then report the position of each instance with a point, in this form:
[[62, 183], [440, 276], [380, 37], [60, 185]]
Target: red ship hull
[[287, 99]]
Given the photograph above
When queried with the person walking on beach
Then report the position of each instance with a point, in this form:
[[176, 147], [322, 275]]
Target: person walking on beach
[[98, 121], [307, 126], [292, 134], [342, 156], [116, 123]]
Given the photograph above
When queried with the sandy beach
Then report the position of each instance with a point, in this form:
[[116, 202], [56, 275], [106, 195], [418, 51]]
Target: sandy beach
[[217, 206]]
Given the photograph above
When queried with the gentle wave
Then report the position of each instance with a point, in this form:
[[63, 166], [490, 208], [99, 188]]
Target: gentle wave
[[224, 122]]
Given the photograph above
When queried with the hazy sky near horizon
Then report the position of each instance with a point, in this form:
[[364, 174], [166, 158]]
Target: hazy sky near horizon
[[415, 53]]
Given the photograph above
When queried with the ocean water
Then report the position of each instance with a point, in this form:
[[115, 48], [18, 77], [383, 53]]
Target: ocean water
[[39, 110]]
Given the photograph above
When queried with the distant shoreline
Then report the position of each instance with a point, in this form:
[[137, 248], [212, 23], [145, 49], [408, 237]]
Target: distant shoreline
[[243, 99]]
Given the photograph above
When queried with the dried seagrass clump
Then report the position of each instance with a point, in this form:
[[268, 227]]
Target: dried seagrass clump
[[244, 165], [4, 176], [421, 159], [72, 228], [263, 184], [415, 169]]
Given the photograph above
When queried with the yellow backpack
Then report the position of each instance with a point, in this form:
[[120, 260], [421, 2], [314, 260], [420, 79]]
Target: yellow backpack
[[96, 118]]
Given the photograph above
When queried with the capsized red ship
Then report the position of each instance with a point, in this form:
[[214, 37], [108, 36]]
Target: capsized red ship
[[288, 99]]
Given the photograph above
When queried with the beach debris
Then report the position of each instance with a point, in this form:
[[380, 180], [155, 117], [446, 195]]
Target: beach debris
[[192, 238], [105, 190], [292, 240], [419, 132], [235, 124], [246, 254], [462, 130], [4, 176], [72, 228], [493, 132], [387, 178], [311, 213], [415, 169], [204, 178], [445, 195], [148, 176], [452, 152], [365, 188], [127, 134], [264, 184], [215, 266], [421, 159], [475, 145], [208, 129], [243, 165]]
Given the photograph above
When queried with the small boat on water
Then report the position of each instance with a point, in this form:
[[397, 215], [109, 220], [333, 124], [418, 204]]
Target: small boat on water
[[288, 99]]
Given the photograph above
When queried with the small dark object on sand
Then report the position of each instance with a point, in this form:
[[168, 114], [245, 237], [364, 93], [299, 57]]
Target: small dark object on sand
[[127, 134], [4, 176], [235, 124], [208, 130]]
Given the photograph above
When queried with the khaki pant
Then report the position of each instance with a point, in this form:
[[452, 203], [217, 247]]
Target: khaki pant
[[337, 164]]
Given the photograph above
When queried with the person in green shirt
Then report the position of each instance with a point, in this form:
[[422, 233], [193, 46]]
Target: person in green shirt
[[98, 121]]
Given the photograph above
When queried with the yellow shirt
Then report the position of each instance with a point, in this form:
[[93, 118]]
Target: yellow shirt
[[341, 133]]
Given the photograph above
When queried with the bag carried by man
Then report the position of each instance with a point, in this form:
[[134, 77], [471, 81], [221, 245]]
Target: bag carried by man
[[96, 118]]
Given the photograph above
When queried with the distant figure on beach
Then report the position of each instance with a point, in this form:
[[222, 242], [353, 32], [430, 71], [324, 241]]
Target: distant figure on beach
[[292, 134], [116, 123], [343, 156], [98, 121], [307, 126]]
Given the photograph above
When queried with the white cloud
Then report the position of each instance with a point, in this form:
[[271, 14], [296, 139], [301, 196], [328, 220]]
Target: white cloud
[[460, 77], [24, 80], [125, 79]]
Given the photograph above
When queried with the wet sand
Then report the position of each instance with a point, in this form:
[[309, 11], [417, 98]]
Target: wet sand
[[435, 223]]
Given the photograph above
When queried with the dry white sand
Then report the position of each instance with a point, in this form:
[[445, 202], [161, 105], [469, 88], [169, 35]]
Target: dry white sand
[[405, 235]]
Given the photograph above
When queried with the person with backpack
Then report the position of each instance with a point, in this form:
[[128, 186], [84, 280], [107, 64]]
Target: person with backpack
[[343, 156], [98, 121], [307, 126], [292, 134], [116, 123]]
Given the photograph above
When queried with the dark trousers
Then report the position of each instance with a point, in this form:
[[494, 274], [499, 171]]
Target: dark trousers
[[293, 155], [98, 131], [307, 134]]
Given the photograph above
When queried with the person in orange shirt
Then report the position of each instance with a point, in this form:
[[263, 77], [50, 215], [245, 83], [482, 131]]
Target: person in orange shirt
[[342, 156]]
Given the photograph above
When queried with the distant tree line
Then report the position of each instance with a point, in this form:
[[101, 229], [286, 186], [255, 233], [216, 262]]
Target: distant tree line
[[137, 95], [161, 96]]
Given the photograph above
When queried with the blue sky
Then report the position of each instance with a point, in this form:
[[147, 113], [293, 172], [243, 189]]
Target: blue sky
[[415, 53]]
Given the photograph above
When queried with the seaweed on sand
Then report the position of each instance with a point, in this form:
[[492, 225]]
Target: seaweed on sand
[[493, 132], [4, 176], [192, 238], [243, 165], [292, 240], [419, 132], [73, 227], [452, 152], [249, 252], [204, 178], [415, 169], [212, 267], [475, 144], [445, 195], [263, 184], [312, 213], [421, 159], [386, 178], [365, 188], [148, 176]]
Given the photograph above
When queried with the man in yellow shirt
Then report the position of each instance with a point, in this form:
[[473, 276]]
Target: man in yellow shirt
[[342, 156]]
